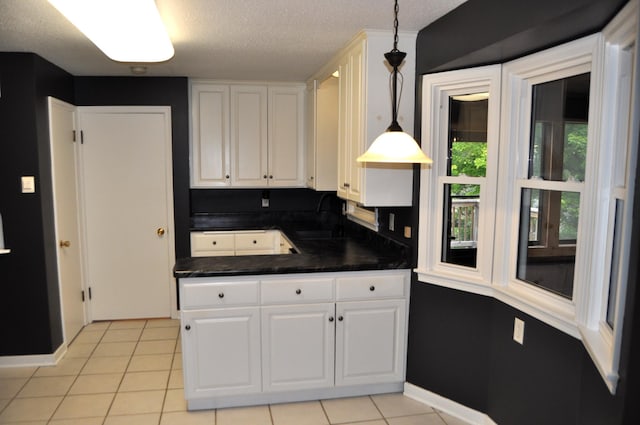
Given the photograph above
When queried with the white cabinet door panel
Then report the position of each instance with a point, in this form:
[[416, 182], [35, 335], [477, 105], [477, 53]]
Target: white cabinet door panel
[[249, 135], [298, 346], [221, 352], [370, 342], [286, 136]]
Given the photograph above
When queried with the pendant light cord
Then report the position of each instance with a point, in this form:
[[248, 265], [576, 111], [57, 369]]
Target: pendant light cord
[[395, 26]]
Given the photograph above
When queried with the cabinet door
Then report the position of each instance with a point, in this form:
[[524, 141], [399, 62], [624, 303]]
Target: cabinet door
[[210, 157], [286, 136], [298, 346], [249, 136], [222, 352], [356, 131], [370, 342], [344, 118]]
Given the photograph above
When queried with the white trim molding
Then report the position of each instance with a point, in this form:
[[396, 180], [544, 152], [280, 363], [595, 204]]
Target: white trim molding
[[34, 359], [446, 405]]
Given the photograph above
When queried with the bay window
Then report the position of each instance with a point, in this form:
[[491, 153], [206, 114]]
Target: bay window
[[529, 196]]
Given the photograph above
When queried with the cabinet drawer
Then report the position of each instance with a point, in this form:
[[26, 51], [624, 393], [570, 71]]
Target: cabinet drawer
[[218, 294], [255, 241], [215, 243], [370, 287], [294, 291]]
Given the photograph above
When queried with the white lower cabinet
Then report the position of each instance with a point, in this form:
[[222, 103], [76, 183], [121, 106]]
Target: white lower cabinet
[[223, 352], [297, 346], [298, 336], [370, 344]]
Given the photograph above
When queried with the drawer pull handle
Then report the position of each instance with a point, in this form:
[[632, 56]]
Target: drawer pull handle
[[340, 318], [221, 295], [331, 318], [372, 288], [188, 327], [298, 291]]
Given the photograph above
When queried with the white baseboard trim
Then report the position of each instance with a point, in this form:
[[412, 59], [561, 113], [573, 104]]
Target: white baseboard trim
[[35, 359], [449, 407]]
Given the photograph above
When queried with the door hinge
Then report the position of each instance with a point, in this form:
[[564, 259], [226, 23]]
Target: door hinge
[[82, 143], [89, 292], [82, 295]]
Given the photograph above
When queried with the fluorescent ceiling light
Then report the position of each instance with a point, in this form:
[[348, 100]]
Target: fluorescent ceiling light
[[125, 30]]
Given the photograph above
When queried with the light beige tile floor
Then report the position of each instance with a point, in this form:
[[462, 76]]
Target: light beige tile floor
[[130, 372]]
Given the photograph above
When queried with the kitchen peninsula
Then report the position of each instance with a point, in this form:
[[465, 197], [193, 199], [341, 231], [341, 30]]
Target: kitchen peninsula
[[329, 320]]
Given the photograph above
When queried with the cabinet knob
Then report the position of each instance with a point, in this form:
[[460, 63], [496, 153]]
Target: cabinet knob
[[340, 318], [255, 241], [221, 295], [331, 318], [264, 176], [188, 327], [65, 244], [298, 291], [270, 177], [310, 177], [372, 288], [214, 242], [227, 176]]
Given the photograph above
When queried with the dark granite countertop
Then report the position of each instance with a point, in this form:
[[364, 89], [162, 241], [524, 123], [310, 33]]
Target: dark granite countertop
[[345, 249]]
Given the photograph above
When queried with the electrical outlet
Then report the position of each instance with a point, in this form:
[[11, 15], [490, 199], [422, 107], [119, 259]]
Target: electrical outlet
[[518, 331], [392, 222], [265, 202], [407, 232]]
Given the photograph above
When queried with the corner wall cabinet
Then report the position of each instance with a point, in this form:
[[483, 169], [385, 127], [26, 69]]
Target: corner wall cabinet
[[247, 135], [364, 112], [283, 338]]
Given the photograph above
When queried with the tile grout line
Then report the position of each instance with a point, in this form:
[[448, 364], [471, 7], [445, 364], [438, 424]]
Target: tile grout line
[[64, 397], [378, 409]]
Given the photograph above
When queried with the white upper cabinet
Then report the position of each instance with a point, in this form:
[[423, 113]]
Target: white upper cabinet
[[364, 112], [322, 134], [210, 149], [247, 135], [285, 166]]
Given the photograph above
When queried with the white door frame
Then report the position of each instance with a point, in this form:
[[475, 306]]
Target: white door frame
[[166, 112]]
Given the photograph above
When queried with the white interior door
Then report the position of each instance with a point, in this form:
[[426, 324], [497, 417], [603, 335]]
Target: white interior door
[[128, 210], [66, 213]]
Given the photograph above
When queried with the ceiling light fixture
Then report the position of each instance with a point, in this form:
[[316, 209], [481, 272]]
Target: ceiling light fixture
[[394, 145], [125, 30]]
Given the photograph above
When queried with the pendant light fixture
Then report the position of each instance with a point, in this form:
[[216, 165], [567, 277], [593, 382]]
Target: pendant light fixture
[[394, 145]]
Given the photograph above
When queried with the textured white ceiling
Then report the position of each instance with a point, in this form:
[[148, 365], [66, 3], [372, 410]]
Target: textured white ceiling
[[279, 40]]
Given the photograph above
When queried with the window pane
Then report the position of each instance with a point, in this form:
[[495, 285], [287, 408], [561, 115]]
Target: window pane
[[558, 145], [548, 234], [460, 230], [615, 263], [468, 135]]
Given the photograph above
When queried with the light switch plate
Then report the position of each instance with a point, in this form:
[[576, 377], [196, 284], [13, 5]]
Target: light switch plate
[[28, 184], [518, 331]]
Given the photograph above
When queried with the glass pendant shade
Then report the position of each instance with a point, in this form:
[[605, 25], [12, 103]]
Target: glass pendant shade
[[396, 147], [125, 30]]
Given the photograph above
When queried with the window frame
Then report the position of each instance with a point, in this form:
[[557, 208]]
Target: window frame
[[585, 315], [435, 120]]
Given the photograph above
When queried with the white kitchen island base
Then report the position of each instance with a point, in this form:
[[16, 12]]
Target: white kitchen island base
[[265, 339]]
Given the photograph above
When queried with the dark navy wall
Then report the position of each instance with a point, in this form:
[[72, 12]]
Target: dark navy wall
[[152, 91], [460, 344], [30, 303]]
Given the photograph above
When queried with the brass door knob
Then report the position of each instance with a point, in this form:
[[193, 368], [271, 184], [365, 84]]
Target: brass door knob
[[65, 244], [160, 231]]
